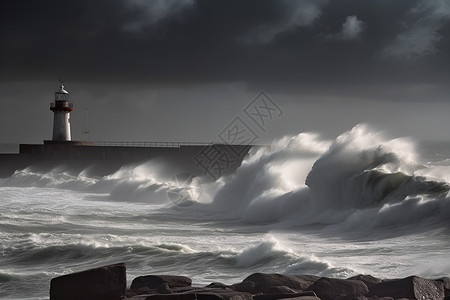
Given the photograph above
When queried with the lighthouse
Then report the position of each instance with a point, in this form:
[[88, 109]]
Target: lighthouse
[[61, 109]]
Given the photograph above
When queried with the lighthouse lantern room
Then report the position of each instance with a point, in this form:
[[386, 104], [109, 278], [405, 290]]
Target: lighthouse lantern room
[[61, 109]]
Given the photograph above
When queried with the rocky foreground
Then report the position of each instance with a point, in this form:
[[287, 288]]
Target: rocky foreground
[[109, 283]]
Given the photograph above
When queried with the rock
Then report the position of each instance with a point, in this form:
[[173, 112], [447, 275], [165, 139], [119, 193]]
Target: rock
[[180, 290], [217, 285], [281, 290], [342, 297], [155, 281], [164, 289], [104, 283], [136, 297], [245, 287], [284, 296], [367, 279], [219, 294], [412, 287], [330, 288], [308, 278], [446, 282], [263, 282], [305, 298], [129, 294], [172, 297], [203, 294], [223, 296]]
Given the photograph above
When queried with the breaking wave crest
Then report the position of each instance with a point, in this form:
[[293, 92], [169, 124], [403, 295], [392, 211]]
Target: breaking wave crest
[[361, 180]]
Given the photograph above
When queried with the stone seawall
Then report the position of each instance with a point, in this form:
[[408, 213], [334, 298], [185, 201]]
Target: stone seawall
[[211, 161]]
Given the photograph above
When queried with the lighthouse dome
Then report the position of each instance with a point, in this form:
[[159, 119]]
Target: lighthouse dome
[[62, 90]]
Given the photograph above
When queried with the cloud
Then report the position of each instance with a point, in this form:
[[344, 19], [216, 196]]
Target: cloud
[[152, 12], [258, 42], [294, 14], [352, 29], [422, 36]]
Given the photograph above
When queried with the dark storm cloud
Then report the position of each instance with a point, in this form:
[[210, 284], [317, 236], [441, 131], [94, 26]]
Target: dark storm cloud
[[289, 42], [422, 31]]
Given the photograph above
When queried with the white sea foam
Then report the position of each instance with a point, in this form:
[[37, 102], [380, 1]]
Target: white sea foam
[[361, 176], [362, 203], [302, 179]]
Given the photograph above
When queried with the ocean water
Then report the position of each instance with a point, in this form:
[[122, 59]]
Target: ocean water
[[360, 204]]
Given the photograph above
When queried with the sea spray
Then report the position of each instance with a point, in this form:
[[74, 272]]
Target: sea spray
[[388, 217], [265, 187], [361, 175], [299, 180]]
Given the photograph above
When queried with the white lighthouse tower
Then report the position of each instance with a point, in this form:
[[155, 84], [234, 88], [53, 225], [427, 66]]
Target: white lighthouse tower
[[61, 121]]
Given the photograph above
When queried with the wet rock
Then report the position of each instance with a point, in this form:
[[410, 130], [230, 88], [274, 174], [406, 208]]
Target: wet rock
[[412, 287], [446, 282], [308, 278], [281, 290], [144, 291], [263, 282], [284, 296], [330, 288], [171, 297], [164, 289], [245, 287], [129, 294], [217, 285], [136, 297], [104, 283], [305, 298], [342, 297], [219, 294], [155, 281], [367, 279], [180, 290]]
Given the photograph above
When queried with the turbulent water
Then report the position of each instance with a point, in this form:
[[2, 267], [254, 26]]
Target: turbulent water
[[362, 203]]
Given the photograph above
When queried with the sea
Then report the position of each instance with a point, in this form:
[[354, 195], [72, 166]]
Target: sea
[[363, 203]]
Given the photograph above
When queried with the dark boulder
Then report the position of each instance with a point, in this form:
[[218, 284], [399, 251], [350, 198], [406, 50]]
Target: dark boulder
[[305, 298], [104, 283], [223, 296], [217, 285], [155, 281], [219, 294], [284, 296], [281, 290], [342, 297], [245, 287], [164, 289], [330, 288], [369, 280], [412, 287], [263, 282], [308, 278], [446, 282], [207, 293], [171, 297]]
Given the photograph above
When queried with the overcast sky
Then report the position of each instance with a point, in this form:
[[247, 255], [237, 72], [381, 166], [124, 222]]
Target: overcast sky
[[152, 70]]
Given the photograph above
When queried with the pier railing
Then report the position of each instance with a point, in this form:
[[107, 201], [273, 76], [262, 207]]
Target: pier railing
[[151, 144]]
